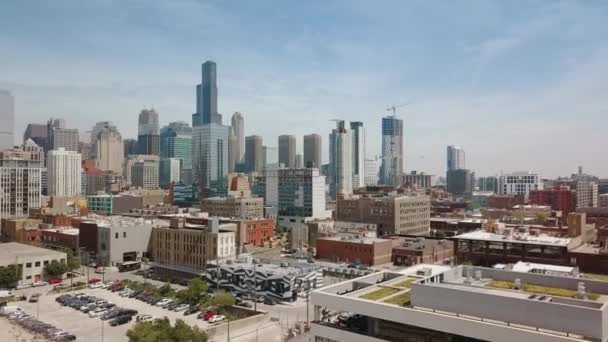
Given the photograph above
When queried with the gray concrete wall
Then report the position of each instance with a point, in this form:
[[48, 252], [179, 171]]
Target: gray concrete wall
[[545, 315]]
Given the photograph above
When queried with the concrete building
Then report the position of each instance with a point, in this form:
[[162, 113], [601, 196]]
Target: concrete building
[[419, 180], [95, 180], [183, 250], [340, 160], [144, 173], [456, 158], [61, 137], [270, 156], [112, 240], [586, 194], [237, 204], [488, 184], [148, 133], [109, 150], [372, 169], [358, 151], [413, 251], [206, 97], [232, 152], [38, 133], [461, 182], [210, 158], [21, 230], [465, 303], [393, 214], [64, 173], [238, 130], [7, 120], [32, 260], [20, 180], [176, 142], [169, 171], [355, 249], [254, 154], [299, 161], [392, 151], [132, 160], [519, 183], [287, 150], [312, 151], [602, 201]]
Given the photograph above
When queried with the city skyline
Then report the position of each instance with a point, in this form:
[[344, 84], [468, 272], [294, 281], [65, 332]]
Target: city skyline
[[507, 90]]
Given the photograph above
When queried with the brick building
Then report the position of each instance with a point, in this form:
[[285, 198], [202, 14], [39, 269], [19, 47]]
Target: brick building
[[22, 230], [559, 198], [504, 201], [355, 249], [413, 251]]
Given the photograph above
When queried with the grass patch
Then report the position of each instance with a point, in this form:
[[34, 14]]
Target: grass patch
[[379, 294], [401, 300], [406, 284], [544, 290], [592, 276]]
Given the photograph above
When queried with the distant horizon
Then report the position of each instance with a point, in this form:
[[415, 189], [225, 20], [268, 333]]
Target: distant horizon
[[517, 87]]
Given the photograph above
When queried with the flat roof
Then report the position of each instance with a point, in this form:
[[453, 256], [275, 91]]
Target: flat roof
[[525, 267], [67, 231], [435, 269], [354, 239], [524, 238], [11, 251]]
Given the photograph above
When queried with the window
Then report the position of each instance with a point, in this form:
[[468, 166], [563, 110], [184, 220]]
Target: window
[[28, 277], [124, 234], [116, 235], [46, 262], [28, 265], [37, 263]]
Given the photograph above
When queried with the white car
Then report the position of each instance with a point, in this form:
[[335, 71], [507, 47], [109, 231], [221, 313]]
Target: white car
[[108, 284], [143, 318], [40, 283], [97, 312], [216, 318], [181, 307], [125, 293], [95, 285], [164, 301]]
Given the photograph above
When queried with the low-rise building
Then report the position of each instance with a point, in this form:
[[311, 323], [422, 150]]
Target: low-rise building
[[31, 260], [355, 249], [61, 238], [239, 203], [414, 251], [21, 230]]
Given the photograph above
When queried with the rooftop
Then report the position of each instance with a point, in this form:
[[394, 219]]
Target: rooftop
[[11, 251], [125, 221], [67, 231], [540, 239], [354, 239]]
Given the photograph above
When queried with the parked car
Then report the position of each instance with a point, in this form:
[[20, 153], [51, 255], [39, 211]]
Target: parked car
[[34, 298], [269, 301], [108, 284], [55, 281], [208, 315], [143, 318], [96, 285], [100, 270], [216, 318], [40, 283], [94, 280], [181, 307], [164, 301], [120, 320], [24, 286], [191, 310]]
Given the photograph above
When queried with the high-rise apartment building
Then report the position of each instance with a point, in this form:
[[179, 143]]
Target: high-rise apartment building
[[144, 173], [270, 156], [210, 158], [519, 183], [206, 97], [358, 149], [131, 147], [254, 154], [132, 160], [61, 137], [340, 160], [7, 119], [109, 149], [38, 133], [299, 161], [372, 168], [312, 151], [456, 158], [148, 134], [488, 184], [176, 142], [20, 179], [238, 130], [232, 152], [419, 180], [287, 150], [391, 169], [586, 194], [461, 182], [64, 173], [170, 171]]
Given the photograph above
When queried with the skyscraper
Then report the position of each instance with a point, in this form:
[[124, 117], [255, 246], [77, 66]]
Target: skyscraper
[[461, 182], [238, 130], [312, 151], [131, 147], [38, 133], [169, 171], [371, 171], [20, 179], [144, 173], [64, 172], [210, 158], [232, 151], [7, 119], [254, 159], [456, 158], [206, 97], [358, 160], [340, 160], [270, 156], [94, 132], [108, 149], [61, 137], [148, 136], [391, 170], [176, 142], [287, 150]]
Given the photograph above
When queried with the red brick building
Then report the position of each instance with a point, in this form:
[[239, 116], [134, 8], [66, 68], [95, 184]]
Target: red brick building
[[351, 249], [504, 201], [559, 198], [258, 232]]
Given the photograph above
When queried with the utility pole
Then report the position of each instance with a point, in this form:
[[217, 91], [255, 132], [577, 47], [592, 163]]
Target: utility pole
[[255, 290]]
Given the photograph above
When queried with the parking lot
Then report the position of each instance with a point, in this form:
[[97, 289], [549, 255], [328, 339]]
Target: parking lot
[[91, 329]]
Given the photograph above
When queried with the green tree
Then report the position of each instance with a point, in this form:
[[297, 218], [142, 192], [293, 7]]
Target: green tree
[[56, 268], [223, 300], [162, 331], [196, 292], [72, 262], [9, 275], [166, 290]]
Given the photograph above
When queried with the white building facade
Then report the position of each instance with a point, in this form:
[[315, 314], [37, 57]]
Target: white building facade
[[340, 160], [64, 173], [519, 183]]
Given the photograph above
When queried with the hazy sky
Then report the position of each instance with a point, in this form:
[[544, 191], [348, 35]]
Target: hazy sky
[[521, 85]]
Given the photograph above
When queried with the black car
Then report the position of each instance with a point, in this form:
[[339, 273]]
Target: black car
[[120, 320], [191, 310], [269, 301]]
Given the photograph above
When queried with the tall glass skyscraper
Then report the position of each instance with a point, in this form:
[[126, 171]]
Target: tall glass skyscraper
[[7, 120], [210, 159], [358, 149], [176, 142], [206, 97], [148, 137], [391, 170]]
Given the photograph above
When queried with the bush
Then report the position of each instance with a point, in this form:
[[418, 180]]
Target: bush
[[162, 331]]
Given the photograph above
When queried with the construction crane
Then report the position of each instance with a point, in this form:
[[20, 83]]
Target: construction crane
[[393, 108]]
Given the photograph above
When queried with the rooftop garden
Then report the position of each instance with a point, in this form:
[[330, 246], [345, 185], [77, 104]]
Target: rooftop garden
[[539, 289], [400, 299], [406, 284], [379, 294]]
